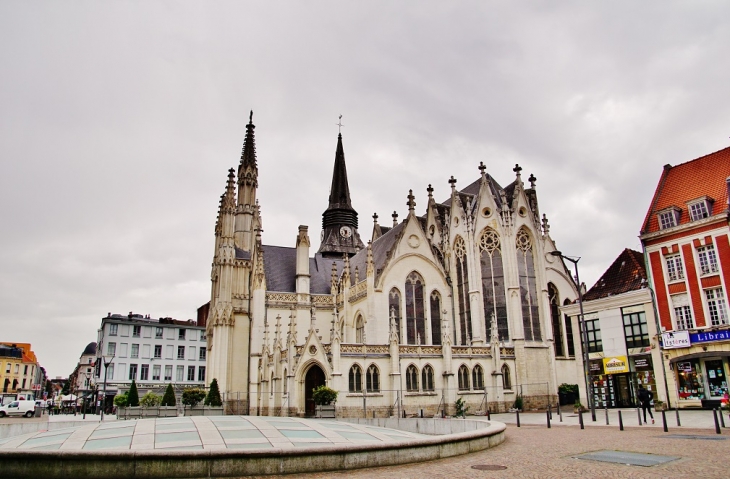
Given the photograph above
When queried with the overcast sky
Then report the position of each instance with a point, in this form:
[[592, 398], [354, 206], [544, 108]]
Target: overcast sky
[[119, 121]]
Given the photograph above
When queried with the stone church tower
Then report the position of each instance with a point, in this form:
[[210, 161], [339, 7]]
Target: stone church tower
[[461, 301]]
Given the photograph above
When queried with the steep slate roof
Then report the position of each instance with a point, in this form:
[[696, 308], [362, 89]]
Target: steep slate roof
[[688, 181], [381, 247], [280, 267], [624, 275], [90, 349]]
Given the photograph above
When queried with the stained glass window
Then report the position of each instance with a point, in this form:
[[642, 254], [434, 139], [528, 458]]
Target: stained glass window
[[495, 300], [415, 310], [528, 287], [462, 288]]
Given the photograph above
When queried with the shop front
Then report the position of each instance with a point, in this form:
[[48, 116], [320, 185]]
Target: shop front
[[701, 370], [612, 381]]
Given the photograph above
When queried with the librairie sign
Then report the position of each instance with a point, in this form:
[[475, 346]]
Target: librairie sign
[[709, 336], [675, 339]]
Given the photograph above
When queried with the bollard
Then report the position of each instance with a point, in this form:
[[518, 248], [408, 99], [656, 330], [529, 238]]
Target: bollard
[[620, 421], [560, 413], [517, 411], [580, 418], [664, 420], [548, 419], [606, 415], [489, 415], [421, 413], [676, 411], [550, 411], [722, 419], [638, 414], [717, 424]]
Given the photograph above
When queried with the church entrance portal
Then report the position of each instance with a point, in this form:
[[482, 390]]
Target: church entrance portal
[[313, 379]]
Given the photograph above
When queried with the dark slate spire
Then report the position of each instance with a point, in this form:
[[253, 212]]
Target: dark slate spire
[[339, 221]]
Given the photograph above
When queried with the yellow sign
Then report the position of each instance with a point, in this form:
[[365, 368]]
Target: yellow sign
[[615, 365]]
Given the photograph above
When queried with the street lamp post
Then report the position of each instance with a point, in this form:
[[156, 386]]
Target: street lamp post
[[106, 367], [584, 334]]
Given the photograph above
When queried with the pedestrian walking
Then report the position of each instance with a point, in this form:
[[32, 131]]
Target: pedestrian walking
[[645, 400]]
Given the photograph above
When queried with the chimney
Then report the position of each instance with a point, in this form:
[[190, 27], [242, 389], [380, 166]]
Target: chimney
[[302, 265]]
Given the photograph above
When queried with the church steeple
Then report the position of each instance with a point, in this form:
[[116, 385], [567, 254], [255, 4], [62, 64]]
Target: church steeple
[[339, 221], [248, 174]]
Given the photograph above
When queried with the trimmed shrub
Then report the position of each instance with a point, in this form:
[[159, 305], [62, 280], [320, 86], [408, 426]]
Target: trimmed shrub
[[169, 398], [150, 400], [214, 395], [324, 396], [120, 400], [133, 395], [192, 396]]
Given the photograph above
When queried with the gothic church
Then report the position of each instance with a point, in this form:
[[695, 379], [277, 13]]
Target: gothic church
[[461, 301]]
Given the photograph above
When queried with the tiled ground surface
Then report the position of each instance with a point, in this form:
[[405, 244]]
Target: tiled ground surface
[[541, 453], [215, 432]]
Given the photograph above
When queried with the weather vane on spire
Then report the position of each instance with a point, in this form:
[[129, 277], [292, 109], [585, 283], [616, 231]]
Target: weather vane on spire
[[340, 125]]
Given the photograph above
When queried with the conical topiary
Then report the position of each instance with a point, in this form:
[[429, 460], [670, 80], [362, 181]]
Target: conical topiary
[[169, 398], [133, 396], [214, 395]]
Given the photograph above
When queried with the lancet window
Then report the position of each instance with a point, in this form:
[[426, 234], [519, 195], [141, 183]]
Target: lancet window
[[493, 289], [463, 377], [506, 378], [415, 310], [372, 379], [462, 288], [528, 286], [355, 377], [556, 320], [427, 378], [477, 377], [412, 378], [394, 308], [435, 317], [359, 330]]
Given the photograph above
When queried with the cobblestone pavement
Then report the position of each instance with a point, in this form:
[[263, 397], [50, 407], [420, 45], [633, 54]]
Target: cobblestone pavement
[[541, 453]]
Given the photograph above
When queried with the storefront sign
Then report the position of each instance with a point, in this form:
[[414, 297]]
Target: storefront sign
[[685, 367], [675, 339], [616, 365], [596, 367], [709, 337], [641, 363]]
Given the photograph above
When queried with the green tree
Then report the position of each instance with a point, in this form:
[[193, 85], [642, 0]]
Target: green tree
[[150, 400], [461, 408], [120, 400], [192, 396], [133, 395], [66, 388], [323, 395], [214, 395], [169, 398]]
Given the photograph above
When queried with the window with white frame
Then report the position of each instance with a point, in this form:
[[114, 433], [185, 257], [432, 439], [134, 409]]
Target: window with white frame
[[682, 312], [708, 259], [180, 374], [717, 306], [675, 272], [699, 210], [136, 331], [668, 219], [110, 371], [113, 329], [191, 373], [132, 371], [168, 372], [111, 349], [135, 351], [181, 333], [181, 352], [158, 332], [201, 353], [156, 372], [201, 374], [158, 351], [191, 353]]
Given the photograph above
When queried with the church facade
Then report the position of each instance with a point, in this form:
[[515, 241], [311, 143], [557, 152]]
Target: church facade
[[457, 301]]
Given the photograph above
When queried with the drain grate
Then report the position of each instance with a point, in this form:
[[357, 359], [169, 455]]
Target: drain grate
[[489, 467], [690, 436], [628, 458]]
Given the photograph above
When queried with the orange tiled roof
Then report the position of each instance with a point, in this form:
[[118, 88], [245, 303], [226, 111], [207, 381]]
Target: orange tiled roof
[[626, 273], [25, 347], [704, 176]]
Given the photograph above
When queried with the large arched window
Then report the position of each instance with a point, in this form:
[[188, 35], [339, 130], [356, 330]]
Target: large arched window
[[528, 286], [506, 379], [463, 378], [411, 378], [427, 378], [435, 317], [359, 330], [569, 331], [415, 310], [462, 289], [394, 308], [555, 317], [372, 379], [355, 379], [477, 377], [493, 289]]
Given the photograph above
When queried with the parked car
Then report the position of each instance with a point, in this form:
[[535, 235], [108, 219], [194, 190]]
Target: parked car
[[18, 408]]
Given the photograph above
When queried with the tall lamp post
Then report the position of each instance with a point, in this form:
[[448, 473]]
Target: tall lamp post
[[584, 334], [106, 367]]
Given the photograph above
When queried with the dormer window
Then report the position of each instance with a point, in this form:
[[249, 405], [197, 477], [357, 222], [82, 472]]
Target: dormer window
[[669, 217], [700, 208]]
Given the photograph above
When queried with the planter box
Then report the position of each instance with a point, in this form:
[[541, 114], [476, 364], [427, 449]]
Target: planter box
[[204, 411], [325, 412], [167, 411], [567, 399]]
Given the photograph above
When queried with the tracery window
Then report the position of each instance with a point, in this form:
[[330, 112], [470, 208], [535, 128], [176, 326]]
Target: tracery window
[[394, 307], [477, 377], [528, 287], [435, 317], [493, 289], [411, 378], [462, 288], [427, 378], [555, 317], [355, 379], [372, 379], [415, 310], [569, 331], [506, 378], [359, 330], [463, 378]]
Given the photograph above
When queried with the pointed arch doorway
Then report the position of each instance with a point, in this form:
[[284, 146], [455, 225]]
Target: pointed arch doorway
[[313, 379]]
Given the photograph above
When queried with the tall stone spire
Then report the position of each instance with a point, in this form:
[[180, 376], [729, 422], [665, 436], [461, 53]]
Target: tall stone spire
[[339, 221], [248, 154], [248, 174]]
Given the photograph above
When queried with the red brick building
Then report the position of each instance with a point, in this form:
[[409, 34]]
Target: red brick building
[[685, 240]]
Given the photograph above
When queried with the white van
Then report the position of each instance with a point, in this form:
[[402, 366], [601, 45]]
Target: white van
[[18, 408]]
